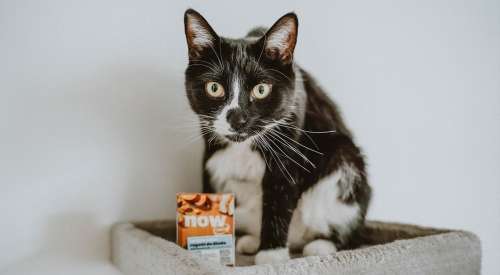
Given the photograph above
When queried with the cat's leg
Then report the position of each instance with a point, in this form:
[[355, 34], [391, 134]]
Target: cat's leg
[[274, 255], [278, 204], [324, 220], [319, 247], [248, 214], [207, 187], [247, 244], [248, 221], [303, 238]]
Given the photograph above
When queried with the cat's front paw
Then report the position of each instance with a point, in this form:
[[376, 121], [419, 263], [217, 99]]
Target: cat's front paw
[[319, 247], [248, 244], [272, 256]]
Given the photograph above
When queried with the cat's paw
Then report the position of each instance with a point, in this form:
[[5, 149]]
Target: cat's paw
[[248, 244], [319, 247], [272, 256]]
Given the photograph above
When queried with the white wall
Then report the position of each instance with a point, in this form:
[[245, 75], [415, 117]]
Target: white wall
[[92, 97]]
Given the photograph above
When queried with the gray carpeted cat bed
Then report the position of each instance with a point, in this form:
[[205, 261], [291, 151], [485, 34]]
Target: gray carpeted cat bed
[[147, 248]]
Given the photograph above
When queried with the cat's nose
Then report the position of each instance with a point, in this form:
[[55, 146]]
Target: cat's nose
[[237, 119]]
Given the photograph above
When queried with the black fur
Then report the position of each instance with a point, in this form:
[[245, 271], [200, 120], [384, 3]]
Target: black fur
[[312, 119]]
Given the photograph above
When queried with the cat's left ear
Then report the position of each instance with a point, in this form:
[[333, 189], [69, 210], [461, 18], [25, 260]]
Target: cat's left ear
[[199, 35], [280, 39]]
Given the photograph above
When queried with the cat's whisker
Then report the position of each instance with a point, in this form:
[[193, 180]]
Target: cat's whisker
[[202, 65], [201, 133], [184, 129], [269, 76], [191, 122], [192, 139], [187, 126], [212, 64], [283, 169], [305, 133], [257, 142], [298, 143], [268, 148], [262, 50], [212, 139], [276, 142], [206, 116], [213, 67], [278, 161], [220, 53], [274, 70], [291, 147], [216, 55], [302, 130], [262, 140], [308, 137], [294, 149]]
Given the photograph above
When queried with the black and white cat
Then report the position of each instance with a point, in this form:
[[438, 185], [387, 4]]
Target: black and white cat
[[275, 140]]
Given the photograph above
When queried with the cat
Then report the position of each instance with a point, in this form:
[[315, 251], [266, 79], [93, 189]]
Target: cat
[[274, 139]]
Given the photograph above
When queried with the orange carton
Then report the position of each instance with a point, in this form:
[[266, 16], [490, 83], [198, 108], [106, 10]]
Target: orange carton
[[205, 225]]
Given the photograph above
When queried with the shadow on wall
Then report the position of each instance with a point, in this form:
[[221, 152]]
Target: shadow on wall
[[124, 133], [162, 136], [76, 235], [149, 113]]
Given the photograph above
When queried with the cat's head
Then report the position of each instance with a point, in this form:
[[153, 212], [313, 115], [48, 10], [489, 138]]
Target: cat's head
[[240, 87]]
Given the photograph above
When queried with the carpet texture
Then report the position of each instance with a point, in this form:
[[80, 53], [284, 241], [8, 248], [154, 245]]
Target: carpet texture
[[388, 248]]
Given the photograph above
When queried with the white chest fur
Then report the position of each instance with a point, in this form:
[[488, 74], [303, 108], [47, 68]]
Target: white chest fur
[[239, 170], [236, 162]]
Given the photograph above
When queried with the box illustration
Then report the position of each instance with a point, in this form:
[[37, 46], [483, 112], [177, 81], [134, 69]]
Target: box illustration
[[205, 225]]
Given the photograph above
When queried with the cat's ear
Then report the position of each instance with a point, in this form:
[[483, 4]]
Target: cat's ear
[[280, 39], [199, 35]]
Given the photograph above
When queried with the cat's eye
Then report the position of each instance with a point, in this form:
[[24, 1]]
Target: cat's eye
[[260, 91], [214, 89]]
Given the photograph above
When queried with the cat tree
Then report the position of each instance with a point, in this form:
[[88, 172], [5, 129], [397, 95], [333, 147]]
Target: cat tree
[[149, 248]]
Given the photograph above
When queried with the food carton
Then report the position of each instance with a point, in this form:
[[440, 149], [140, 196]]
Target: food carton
[[205, 225]]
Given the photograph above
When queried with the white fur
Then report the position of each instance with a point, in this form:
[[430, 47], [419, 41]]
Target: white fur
[[318, 209], [239, 170], [236, 89], [202, 37], [300, 94], [272, 256], [221, 124], [349, 175], [279, 38], [248, 244], [319, 247]]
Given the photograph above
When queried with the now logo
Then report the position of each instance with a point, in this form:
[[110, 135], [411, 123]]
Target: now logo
[[204, 221]]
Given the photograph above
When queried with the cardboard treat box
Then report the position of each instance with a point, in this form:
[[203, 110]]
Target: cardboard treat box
[[205, 226]]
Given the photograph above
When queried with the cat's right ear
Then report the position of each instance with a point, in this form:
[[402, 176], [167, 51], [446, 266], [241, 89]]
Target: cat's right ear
[[199, 35], [280, 39]]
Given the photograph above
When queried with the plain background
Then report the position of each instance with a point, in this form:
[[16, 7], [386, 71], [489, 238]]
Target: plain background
[[92, 112]]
